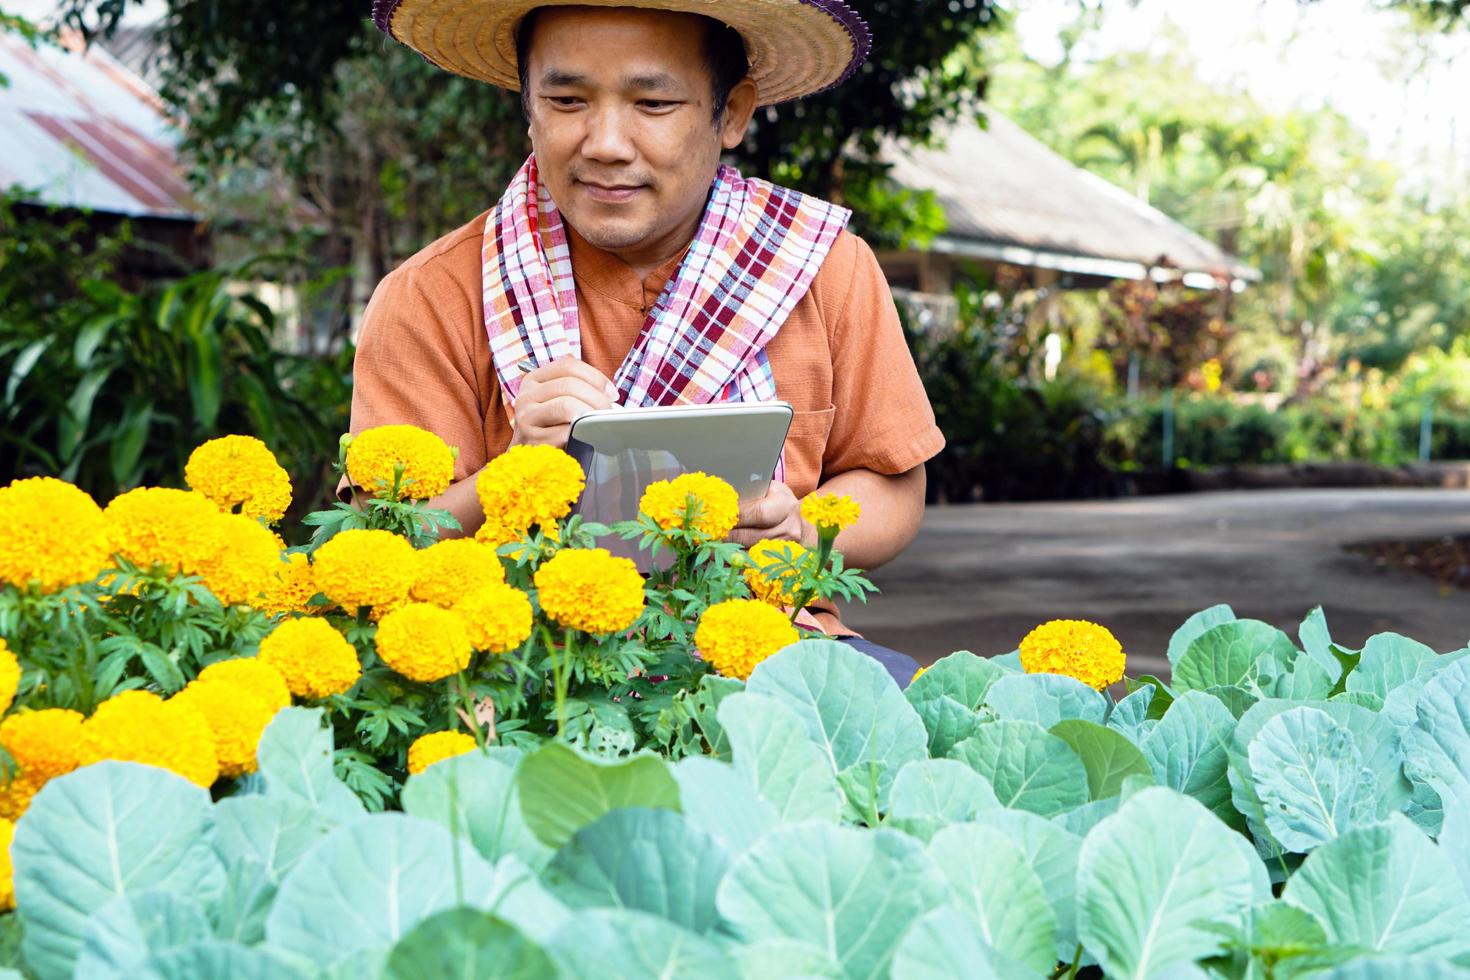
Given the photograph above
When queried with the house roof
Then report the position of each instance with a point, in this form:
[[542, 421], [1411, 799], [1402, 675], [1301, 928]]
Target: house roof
[[83, 131], [1010, 198]]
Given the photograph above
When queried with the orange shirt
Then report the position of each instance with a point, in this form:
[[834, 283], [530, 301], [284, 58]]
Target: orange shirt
[[840, 360]]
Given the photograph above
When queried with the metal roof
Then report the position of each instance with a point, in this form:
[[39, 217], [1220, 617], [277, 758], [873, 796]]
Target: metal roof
[[1010, 198], [77, 129]]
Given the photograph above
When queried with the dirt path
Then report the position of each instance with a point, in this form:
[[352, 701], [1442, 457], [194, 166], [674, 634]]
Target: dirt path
[[979, 577]]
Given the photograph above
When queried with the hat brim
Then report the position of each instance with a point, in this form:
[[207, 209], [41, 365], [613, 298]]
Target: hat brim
[[796, 47]]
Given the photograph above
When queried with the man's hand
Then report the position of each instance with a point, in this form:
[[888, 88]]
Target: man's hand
[[551, 397], [774, 517]]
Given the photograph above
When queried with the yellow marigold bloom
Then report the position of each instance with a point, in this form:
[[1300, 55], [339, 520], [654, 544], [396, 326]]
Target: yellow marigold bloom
[[51, 535], [7, 870], [830, 510], [44, 745], [246, 562], [253, 676], [424, 643], [365, 568], [9, 676], [239, 471], [737, 634], [236, 719], [667, 502], [768, 574], [316, 661], [496, 616], [436, 747], [1074, 648], [526, 486], [447, 570], [137, 726], [588, 589], [292, 589], [375, 454], [176, 529]]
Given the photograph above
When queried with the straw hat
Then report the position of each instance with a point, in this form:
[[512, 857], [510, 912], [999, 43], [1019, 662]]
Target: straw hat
[[796, 47]]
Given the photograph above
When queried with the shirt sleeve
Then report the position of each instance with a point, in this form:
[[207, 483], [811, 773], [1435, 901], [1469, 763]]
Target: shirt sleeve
[[416, 364], [883, 421]]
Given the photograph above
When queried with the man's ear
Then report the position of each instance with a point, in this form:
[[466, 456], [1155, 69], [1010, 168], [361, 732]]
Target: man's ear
[[739, 107]]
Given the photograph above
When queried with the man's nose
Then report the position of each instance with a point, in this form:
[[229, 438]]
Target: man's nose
[[609, 137]]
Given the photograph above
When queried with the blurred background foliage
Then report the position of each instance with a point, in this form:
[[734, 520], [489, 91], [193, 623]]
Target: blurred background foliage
[[312, 140]]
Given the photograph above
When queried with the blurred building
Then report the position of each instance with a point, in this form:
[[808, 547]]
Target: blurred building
[[86, 138]]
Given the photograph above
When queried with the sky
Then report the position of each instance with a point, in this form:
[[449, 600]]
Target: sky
[[1409, 93]]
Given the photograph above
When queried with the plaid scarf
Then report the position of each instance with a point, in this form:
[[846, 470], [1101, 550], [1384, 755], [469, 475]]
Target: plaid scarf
[[753, 258]]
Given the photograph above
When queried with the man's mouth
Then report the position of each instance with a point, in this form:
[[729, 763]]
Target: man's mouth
[[611, 193]]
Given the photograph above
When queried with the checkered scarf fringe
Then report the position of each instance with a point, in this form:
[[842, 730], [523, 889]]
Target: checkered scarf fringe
[[754, 257]]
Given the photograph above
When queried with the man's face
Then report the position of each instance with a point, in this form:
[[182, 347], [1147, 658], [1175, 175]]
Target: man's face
[[621, 122]]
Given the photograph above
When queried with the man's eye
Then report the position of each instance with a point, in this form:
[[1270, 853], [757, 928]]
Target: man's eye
[[657, 104], [564, 101]]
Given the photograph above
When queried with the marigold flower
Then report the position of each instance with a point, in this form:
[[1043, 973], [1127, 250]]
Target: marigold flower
[[497, 617], [374, 455], [737, 634], [7, 870], [253, 676], [239, 471], [52, 535], [245, 563], [769, 575], [364, 568], [235, 717], [316, 661], [917, 674], [588, 589], [292, 589], [424, 643], [830, 510], [1074, 648], [138, 726], [436, 747], [44, 745], [176, 529], [718, 508], [447, 570], [524, 487], [9, 676]]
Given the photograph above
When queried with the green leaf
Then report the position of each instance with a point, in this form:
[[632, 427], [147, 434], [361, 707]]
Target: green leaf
[[1384, 888], [1243, 653], [110, 829], [947, 695], [563, 790], [653, 861], [1317, 643], [942, 789], [611, 944], [772, 748], [1154, 879], [1389, 660], [1437, 745], [476, 794], [219, 958], [945, 943], [1310, 778], [1028, 767], [1395, 968], [721, 801], [990, 879], [1108, 757], [1189, 751], [1194, 626], [131, 927], [1130, 716], [369, 882], [469, 943], [129, 437], [25, 361], [850, 893], [781, 957], [851, 708], [1051, 852], [295, 756], [1045, 699], [71, 427], [259, 839]]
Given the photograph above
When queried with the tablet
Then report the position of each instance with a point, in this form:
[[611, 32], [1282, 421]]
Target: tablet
[[623, 450]]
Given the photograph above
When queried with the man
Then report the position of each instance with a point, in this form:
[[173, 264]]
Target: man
[[624, 265]]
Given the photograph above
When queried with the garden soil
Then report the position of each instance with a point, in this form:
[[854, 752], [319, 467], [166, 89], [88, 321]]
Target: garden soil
[[979, 577]]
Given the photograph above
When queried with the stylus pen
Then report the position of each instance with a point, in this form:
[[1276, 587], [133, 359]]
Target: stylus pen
[[526, 366]]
